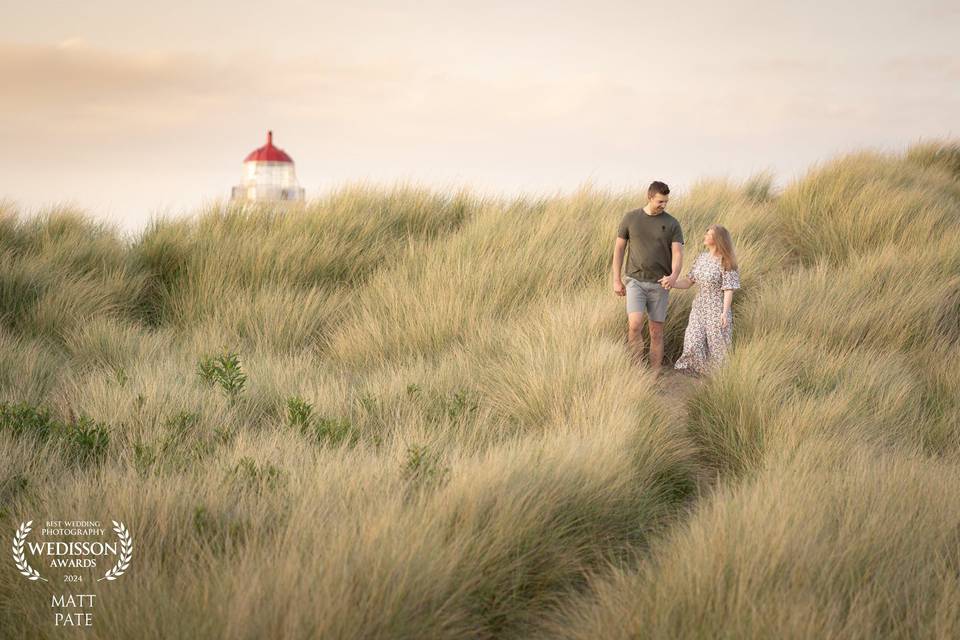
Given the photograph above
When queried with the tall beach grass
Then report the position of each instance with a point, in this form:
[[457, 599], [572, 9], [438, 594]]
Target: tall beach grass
[[399, 413]]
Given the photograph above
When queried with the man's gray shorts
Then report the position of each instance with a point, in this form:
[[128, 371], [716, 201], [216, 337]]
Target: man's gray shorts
[[647, 296]]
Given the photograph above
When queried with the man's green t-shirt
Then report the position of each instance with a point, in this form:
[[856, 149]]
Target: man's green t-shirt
[[648, 239]]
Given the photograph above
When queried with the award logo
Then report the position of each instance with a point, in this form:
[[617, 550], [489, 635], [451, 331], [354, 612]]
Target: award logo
[[72, 552]]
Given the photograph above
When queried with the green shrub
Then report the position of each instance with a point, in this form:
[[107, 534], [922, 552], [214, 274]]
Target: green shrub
[[333, 431], [424, 468], [87, 439], [299, 413], [225, 371], [321, 429], [25, 419], [144, 458], [248, 474]]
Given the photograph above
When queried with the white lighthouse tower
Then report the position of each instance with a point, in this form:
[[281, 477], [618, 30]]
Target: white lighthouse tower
[[268, 175]]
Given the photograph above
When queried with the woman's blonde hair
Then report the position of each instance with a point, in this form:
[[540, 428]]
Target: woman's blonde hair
[[724, 243]]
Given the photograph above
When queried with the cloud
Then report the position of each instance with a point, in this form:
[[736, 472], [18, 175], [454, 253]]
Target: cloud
[[75, 89], [39, 75], [925, 67], [61, 97]]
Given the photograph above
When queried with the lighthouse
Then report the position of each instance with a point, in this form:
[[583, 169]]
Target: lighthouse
[[268, 175]]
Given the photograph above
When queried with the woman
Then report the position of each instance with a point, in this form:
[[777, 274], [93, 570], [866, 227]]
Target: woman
[[710, 328]]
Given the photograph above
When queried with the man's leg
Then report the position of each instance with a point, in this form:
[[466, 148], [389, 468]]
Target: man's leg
[[636, 306], [657, 301], [656, 345], [635, 336]]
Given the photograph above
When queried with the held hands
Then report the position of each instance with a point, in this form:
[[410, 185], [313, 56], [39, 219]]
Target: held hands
[[667, 282]]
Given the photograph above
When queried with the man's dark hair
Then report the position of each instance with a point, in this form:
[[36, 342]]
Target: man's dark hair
[[658, 187]]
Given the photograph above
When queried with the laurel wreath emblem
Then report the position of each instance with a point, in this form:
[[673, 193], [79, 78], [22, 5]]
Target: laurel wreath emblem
[[18, 557], [126, 551]]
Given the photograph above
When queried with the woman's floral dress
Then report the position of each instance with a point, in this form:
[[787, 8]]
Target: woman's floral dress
[[705, 344]]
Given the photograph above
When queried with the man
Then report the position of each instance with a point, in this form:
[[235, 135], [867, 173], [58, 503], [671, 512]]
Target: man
[[653, 266]]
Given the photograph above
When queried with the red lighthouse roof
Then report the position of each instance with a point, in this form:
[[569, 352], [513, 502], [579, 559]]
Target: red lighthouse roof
[[268, 153]]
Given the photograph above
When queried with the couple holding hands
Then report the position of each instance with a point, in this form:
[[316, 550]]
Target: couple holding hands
[[653, 268]]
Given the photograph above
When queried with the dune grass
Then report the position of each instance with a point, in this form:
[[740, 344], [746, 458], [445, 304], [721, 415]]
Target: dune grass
[[400, 413]]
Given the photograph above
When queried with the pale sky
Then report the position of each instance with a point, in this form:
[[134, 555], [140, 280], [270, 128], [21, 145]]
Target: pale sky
[[126, 109]]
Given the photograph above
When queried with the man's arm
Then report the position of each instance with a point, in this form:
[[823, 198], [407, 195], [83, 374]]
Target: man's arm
[[676, 256], [676, 263], [618, 250]]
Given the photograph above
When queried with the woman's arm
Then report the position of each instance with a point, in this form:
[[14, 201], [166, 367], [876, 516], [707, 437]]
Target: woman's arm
[[729, 282], [727, 302], [684, 282]]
